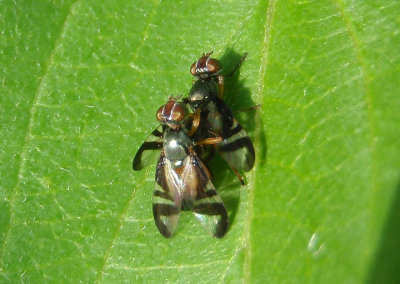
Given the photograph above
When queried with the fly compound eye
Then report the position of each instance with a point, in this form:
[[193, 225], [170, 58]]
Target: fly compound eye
[[164, 112], [213, 65], [193, 69], [201, 64], [160, 114], [178, 112], [171, 112], [206, 66]]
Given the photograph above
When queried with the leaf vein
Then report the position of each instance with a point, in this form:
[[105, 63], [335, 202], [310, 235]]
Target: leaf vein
[[365, 80], [262, 72], [28, 134], [172, 267], [122, 216]]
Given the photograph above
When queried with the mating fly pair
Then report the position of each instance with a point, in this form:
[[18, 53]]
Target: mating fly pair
[[183, 182]]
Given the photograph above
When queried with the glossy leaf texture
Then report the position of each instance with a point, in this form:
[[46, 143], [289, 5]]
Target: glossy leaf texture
[[80, 84]]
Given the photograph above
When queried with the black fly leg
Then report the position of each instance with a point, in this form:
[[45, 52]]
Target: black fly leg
[[255, 107]]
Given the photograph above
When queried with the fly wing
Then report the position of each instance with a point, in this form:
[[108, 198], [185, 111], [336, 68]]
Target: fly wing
[[236, 148], [166, 198], [153, 142], [204, 201], [210, 211]]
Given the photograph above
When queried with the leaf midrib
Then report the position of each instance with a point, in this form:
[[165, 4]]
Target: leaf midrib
[[261, 86]]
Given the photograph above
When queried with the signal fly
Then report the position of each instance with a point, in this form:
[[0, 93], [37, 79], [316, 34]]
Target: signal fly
[[211, 113], [183, 182]]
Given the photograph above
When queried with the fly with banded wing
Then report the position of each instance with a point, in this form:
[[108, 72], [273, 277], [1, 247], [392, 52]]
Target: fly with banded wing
[[213, 116], [183, 182]]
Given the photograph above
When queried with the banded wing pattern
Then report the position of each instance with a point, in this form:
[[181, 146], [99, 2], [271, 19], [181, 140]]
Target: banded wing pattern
[[166, 198], [188, 188], [153, 142], [183, 181], [236, 148], [210, 211], [202, 198], [205, 99]]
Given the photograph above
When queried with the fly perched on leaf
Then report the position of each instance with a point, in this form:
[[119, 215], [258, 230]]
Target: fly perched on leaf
[[183, 182], [211, 113]]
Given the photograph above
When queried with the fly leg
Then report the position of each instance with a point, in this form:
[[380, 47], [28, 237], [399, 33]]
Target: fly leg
[[210, 141], [220, 86], [255, 107], [240, 178], [215, 140], [195, 122]]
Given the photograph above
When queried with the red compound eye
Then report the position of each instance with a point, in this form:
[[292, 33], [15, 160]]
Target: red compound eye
[[193, 68], [159, 115], [205, 66], [172, 111], [213, 65], [201, 64], [178, 112]]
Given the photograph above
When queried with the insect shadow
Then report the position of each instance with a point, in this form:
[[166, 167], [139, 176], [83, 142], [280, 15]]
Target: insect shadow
[[385, 266], [238, 98]]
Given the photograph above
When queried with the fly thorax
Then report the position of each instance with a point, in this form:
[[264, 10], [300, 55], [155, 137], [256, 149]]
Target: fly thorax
[[201, 92], [176, 146]]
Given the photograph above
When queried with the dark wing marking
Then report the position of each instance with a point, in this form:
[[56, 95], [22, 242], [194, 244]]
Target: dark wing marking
[[201, 197], [210, 211], [153, 142], [166, 200], [236, 148]]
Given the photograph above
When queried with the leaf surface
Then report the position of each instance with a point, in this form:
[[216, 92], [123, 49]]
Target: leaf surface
[[80, 84]]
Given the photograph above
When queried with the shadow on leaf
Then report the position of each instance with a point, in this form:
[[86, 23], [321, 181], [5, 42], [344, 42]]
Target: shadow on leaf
[[385, 267], [238, 98]]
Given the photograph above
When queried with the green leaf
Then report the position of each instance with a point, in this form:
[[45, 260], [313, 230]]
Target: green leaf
[[80, 83]]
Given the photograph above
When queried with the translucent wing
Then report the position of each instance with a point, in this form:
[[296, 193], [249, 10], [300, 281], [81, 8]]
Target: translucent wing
[[153, 142], [210, 211], [236, 148], [201, 197], [166, 198]]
